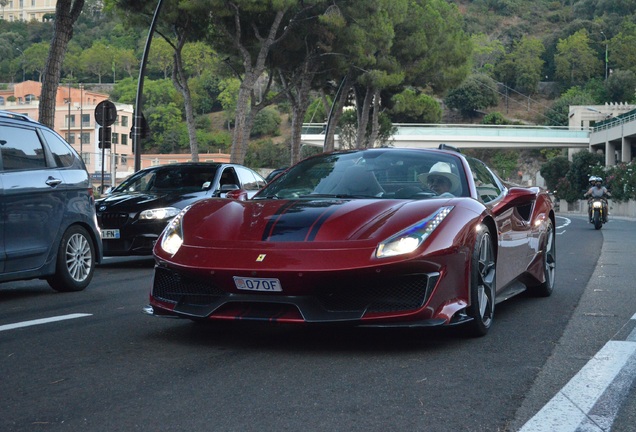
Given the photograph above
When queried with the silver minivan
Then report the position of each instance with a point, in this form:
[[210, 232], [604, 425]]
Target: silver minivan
[[48, 226]]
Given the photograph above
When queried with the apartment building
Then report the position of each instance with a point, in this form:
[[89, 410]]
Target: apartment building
[[75, 121], [27, 10]]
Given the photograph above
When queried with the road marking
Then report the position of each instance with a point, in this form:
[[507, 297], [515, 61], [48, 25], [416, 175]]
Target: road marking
[[42, 321], [592, 398], [566, 222]]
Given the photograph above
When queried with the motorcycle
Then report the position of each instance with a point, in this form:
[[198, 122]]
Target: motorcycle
[[598, 212]]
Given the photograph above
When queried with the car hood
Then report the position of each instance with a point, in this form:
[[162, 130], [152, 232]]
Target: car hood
[[212, 222], [128, 202]]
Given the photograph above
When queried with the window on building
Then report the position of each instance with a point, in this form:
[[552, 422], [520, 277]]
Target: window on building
[[86, 157], [86, 120], [124, 159], [86, 138], [124, 139], [69, 121], [124, 121], [70, 138], [114, 138]]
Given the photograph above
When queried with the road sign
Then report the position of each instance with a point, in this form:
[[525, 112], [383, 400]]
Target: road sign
[[104, 135], [105, 113]]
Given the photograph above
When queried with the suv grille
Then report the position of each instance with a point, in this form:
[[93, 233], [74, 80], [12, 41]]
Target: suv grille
[[112, 220]]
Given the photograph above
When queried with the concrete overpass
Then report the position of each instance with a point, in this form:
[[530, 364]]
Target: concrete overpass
[[470, 136], [616, 138]]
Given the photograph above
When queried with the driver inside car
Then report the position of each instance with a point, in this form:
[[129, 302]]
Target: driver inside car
[[440, 180]]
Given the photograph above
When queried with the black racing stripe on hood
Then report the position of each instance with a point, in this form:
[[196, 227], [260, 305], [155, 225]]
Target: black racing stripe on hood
[[313, 232], [274, 219], [298, 221]]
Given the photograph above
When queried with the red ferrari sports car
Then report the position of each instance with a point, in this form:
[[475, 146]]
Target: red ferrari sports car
[[375, 237]]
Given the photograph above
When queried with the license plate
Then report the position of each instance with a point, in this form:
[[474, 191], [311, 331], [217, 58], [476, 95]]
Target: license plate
[[110, 233], [258, 284]]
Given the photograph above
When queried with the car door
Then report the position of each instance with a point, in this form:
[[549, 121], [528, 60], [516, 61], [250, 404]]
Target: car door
[[32, 200], [513, 228], [3, 255]]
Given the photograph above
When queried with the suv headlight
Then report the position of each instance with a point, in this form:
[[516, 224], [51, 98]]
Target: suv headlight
[[172, 238], [411, 238], [159, 213]]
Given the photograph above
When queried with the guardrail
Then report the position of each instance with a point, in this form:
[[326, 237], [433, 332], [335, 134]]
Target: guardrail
[[614, 121]]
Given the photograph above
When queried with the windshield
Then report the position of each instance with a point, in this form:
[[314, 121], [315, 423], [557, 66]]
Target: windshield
[[170, 178], [374, 173]]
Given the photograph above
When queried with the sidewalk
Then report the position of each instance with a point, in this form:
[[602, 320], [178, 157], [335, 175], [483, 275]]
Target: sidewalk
[[601, 396]]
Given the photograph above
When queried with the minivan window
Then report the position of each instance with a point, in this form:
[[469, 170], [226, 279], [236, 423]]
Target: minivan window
[[62, 152], [21, 149]]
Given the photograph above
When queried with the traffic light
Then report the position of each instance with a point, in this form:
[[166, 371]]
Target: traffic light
[[104, 134]]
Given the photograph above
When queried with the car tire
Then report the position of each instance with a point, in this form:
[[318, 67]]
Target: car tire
[[549, 265], [482, 285], [75, 263]]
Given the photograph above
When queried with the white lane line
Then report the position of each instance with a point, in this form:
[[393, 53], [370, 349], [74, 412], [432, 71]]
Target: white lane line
[[42, 321], [566, 222], [572, 405]]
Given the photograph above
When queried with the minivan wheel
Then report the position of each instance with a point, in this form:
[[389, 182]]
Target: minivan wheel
[[75, 261]]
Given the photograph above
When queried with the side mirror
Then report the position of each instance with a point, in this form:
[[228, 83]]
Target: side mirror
[[516, 196], [237, 194]]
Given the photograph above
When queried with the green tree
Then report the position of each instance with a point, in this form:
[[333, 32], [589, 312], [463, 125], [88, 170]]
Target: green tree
[[476, 93], [487, 52], [584, 164], [554, 170], [34, 58], [621, 51], [576, 62], [266, 122], [411, 107], [97, 60], [161, 57], [228, 97], [620, 86], [522, 67], [559, 113], [66, 14]]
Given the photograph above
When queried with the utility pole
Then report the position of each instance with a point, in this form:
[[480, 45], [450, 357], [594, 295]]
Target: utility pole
[[606, 59]]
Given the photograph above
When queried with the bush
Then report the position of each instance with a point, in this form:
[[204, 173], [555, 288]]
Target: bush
[[266, 122], [621, 181]]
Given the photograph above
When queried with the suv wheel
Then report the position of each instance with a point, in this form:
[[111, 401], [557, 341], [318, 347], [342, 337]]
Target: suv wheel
[[75, 261]]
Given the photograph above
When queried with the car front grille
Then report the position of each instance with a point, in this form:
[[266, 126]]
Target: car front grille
[[112, 220], [391, 294], [173, 287], [395, 294]]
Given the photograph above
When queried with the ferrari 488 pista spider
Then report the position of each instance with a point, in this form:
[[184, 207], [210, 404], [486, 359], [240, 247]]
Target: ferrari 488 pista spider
[[376, 237]]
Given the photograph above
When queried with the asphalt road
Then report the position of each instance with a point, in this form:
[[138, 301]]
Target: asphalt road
[[105, 366]]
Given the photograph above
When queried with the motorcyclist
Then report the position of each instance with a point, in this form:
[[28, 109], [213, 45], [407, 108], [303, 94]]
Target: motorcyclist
[[597, 191]]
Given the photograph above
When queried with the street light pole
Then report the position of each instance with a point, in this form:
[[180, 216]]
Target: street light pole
[[22, 63], [138, 116], [606, 45]]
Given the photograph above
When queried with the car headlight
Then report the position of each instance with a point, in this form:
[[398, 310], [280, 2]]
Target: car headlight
[[159, 213], [411, 238], [173, 234]]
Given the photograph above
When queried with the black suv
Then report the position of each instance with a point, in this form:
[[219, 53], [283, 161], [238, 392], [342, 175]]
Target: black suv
[[132, 215], [48, 226]]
